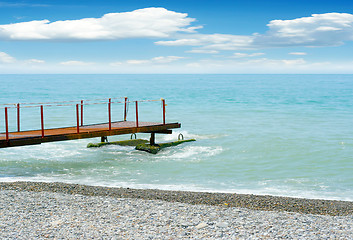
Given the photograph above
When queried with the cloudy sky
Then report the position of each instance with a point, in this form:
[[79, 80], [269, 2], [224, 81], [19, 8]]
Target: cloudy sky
[[192, 36]]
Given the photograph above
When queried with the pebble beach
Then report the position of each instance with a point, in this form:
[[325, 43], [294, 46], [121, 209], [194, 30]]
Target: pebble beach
[[35, 210]]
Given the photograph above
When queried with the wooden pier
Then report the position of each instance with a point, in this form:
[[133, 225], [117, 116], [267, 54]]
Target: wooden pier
[[80, 131]]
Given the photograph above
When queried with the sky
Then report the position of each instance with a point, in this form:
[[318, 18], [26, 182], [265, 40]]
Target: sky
[[171, 37]]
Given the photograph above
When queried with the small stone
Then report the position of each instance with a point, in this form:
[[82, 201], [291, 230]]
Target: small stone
[[222, 224], [56, 223], [184, 224], [219, 234], [201, 225]]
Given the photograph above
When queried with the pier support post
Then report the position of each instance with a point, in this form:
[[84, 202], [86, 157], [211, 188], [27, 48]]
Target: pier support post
[[81, 113], [153, 139], [6, 125], [125, 109], [78, 120], [18, 117], [42, 119]]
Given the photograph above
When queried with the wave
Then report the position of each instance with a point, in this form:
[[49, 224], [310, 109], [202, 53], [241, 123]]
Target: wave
[[189, 153], [283, 191], [188, 135]]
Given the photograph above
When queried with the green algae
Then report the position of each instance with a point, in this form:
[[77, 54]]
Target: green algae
[[154, 149], [131, 142]]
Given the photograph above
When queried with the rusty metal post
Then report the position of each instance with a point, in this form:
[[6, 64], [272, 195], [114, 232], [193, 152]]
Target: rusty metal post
[[18, 117], [81, 112], [153, 139], [6, 125], [137, 115], [163, 105], [110, 113], [42, 119], [78, 119], [125, 109]]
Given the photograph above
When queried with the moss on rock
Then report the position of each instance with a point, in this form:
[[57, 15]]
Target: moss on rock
[[132, 143], [157, 147]]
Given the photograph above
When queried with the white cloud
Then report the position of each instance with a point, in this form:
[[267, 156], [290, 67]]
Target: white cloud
[[147, 22], [167, 59], [246, 55], [203, 66], [115, 64], [203, 51], [299, 61], [258, 62], [76, 63], [137, 61], [34, 61], [156, 60], [212, 41], [329, 29], [298, 53], [258, 65], [6, 58]]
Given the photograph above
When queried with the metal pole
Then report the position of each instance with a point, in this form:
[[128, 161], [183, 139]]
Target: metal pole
[[163, 102], [110, 113], [81, 112], [137, 115], [6, 125], [153, 139], [42, 119], [18, 117], [125, 109], [78, 119]]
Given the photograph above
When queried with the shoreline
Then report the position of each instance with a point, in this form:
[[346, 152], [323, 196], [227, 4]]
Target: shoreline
[[248, 201], [31, 210]]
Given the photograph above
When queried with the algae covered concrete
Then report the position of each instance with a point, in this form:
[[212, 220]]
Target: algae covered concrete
[[154, 149], [131, 142], [141, 144]]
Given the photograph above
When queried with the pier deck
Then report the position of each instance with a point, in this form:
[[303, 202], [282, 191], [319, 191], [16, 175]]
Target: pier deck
[[89, 131], [43, 135]]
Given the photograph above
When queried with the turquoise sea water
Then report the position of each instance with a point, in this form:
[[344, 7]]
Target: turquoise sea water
[[289, 135]]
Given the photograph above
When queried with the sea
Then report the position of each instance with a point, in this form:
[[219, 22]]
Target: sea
[[281, 135]]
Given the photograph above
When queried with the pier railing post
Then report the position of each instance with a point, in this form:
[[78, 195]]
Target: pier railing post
[[18, 117], [6, 125], [125, 109], [81, 112], [137, 114], [110, 113], [42, 119], [163, 105], [77, 119]]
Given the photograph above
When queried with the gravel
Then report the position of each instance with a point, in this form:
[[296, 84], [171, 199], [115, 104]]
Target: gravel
[[70, 211]]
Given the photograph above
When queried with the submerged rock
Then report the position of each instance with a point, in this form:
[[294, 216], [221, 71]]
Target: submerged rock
[[157, 147], [131, 142]]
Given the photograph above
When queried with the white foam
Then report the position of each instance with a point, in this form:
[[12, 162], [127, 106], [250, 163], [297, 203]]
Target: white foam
[[47, 151], [284, 191], [187, 135], [189, 152]]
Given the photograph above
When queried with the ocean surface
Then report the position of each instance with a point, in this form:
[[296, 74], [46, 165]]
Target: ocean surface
[[287, 135]]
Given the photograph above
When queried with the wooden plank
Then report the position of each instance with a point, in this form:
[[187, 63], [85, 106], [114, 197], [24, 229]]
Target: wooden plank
[[89, 131]]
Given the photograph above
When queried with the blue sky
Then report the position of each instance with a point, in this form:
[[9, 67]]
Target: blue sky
[[194, 36]]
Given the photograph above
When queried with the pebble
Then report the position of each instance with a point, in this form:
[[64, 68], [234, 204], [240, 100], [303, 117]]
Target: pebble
[[58, 211], [222, 224], [256, 202], [201, 225]]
